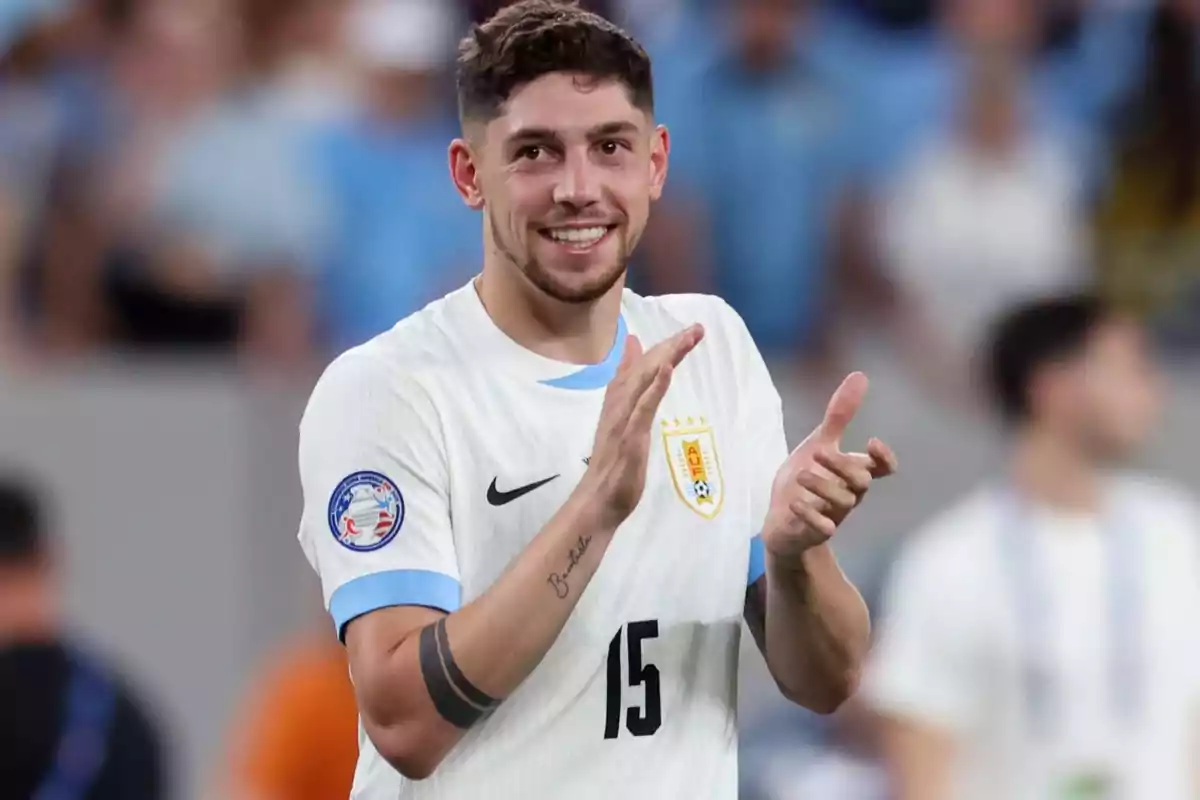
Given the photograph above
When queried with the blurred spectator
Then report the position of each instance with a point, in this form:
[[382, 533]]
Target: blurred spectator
[[908, 85], [401, 234], [30, 129], [760, 154], [1149, 223], [1038, 637], [983, 216], [298, 737], [194, 224], [70, 726], [159, 66], [236, 222], [63, 303]]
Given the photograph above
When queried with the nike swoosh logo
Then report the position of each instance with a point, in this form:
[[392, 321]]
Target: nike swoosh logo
[[499, 498]]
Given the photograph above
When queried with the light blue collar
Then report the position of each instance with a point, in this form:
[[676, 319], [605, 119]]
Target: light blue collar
[[595, 376]]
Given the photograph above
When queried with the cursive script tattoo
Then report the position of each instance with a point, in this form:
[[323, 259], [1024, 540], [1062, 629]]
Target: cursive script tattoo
[[558, 580]]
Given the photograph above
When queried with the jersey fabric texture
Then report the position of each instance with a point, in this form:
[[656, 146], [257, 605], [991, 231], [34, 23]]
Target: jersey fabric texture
[[953, 650], [430, 457]]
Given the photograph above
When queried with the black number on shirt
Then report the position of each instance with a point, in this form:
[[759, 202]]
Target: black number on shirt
[[644, 721]]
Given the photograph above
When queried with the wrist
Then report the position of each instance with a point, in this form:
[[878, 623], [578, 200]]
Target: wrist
[[587, 510], [803, 563]]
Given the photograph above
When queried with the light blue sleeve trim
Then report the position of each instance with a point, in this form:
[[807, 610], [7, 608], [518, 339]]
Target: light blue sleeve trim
[[400, 587], [758, 561]]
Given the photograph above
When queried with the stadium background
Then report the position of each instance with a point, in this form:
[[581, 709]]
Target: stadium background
[[202, 200]]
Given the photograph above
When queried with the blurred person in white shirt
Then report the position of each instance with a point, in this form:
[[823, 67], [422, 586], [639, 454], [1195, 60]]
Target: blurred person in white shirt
[[1038, 637], [986, 213]]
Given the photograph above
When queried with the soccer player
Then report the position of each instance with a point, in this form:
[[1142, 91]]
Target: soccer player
[[1039, 635], [536, 505]]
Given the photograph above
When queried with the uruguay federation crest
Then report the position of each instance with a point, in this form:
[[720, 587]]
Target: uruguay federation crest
[[365, 511], [692, 461]]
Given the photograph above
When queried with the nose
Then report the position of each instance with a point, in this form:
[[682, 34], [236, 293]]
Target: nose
[[578, 186]]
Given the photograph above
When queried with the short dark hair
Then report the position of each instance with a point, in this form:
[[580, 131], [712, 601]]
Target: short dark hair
[[22, 521], [1034, 335], [532, 38]]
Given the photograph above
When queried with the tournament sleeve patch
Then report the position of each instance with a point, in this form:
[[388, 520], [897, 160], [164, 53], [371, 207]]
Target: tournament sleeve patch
[[366, 511]]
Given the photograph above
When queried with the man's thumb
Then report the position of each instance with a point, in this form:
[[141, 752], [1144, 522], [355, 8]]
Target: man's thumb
[[842, 407]]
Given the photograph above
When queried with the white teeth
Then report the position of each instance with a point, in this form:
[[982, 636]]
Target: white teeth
[[578, 235]]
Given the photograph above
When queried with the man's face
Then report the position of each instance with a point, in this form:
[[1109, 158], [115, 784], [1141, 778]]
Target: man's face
[[1111, 395], [565, 176]]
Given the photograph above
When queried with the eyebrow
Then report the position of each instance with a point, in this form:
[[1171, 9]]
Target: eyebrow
[[621, 127]]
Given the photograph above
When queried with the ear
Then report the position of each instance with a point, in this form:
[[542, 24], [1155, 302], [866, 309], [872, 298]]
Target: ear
[[465, 174], [660, 150]]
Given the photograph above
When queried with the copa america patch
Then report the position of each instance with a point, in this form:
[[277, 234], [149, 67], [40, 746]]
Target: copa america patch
[[366, 511]]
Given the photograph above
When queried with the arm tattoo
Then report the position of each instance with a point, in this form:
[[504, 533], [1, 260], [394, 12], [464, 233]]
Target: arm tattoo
[[558, 580], [756, 612], [459, 701]]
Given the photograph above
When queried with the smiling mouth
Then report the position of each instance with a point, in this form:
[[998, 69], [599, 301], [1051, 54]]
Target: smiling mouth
[[577, 238]]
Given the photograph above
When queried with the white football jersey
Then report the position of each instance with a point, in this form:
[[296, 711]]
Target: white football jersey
[[431, 456], [954, 648]]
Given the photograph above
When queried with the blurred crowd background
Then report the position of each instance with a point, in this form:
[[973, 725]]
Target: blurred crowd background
[[202, 201]]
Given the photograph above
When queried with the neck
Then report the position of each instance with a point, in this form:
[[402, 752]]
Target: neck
[[574, 333], [28, 610], [1053, 473]]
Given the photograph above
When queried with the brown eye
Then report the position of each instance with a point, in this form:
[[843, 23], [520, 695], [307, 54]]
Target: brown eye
[[530, 152], [610, 148]]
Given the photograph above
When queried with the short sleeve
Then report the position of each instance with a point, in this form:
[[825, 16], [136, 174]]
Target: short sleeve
[[376, 519], [919, 669], [760, 431]]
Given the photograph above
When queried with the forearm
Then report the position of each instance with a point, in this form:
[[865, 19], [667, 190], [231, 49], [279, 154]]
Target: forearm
[[469, 661], [423, 679], [500, 638], [817, 630]]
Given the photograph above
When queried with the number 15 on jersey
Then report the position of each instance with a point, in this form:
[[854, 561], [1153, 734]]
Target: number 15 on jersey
[[646, 719]]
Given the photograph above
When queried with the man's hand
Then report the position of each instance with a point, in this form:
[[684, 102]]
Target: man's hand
[[819, 485], [617, 469]]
